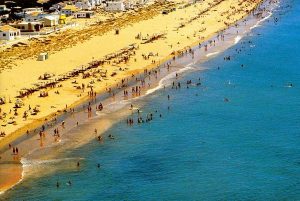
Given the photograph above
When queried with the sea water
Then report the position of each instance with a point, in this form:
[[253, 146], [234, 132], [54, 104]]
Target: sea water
[[202, 148]]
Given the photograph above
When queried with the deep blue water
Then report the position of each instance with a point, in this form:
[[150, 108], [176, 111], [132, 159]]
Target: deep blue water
[[204, 148]]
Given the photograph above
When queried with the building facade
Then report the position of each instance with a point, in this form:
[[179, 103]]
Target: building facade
[[84, 14], [9, 33], [69, 10], [29, 26], [117, 5]]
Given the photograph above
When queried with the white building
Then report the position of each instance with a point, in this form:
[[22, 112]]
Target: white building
[[3, 8], [37, 17], [92, 3], [84, 5], [50, 21], [31, 17], [97, 2], [3, 17], [117, 5], [29, 26], [128, 4], [9, 33], [84, 14], [69, 10], [57, 7], [32, 10]]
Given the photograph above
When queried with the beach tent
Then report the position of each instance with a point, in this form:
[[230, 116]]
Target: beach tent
[[43, 56]]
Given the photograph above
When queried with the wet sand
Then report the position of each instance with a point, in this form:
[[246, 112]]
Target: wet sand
[[10, 175]]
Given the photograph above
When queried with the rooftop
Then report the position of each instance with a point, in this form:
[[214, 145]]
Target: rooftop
[[49, 17], [70, 7], [20, 23], [6, 28]]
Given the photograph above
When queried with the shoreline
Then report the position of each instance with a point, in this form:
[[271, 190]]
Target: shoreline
[[37, 123], [84, 100]]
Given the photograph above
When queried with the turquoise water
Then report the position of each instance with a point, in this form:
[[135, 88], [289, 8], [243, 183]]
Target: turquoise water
[[203, 148]]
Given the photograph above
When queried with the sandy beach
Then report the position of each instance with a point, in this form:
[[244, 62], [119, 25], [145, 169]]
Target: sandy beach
[[196, 23], [98, 60]]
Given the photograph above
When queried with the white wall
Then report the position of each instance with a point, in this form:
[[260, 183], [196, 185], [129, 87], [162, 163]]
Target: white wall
[[10, 35], [67, 12], [115, 6]]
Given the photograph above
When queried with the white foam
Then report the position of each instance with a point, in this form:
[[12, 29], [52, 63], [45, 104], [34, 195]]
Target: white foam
[[111, 107], [237, 39], [255, 26], [100, 114], [150, 91], [51, 145], [162, 83], [188, 67], [262, 20], [27, 162], [212, 54], [165, 81]]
